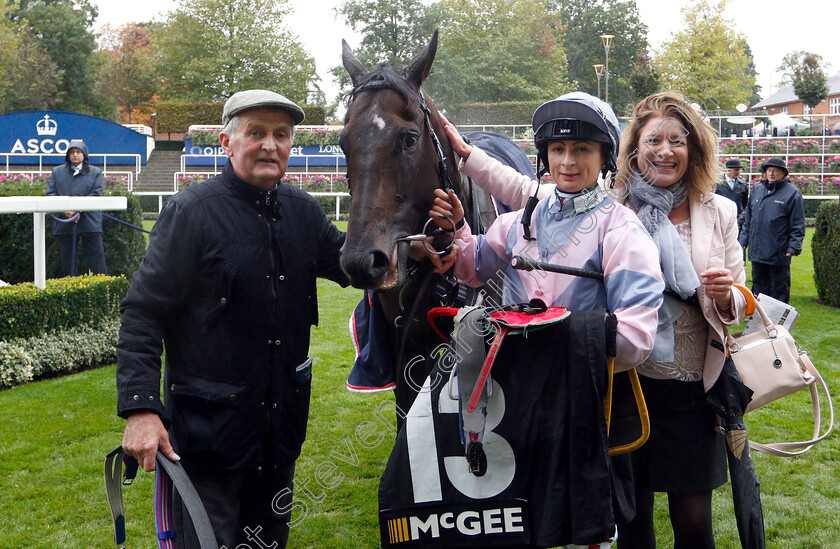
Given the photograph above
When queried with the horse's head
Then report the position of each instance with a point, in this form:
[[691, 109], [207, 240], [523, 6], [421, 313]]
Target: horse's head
[[392, 163]]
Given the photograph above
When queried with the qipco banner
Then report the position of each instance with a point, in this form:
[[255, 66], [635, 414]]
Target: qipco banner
[[321, 156], [33, 137]]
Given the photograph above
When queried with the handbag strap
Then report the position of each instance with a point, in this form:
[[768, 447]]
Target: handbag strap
[[783, 449]]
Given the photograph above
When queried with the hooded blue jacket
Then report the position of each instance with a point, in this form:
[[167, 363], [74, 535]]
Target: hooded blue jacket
[[87, 182]]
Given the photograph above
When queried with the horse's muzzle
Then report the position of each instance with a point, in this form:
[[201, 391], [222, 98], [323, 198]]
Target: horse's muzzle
[[366, 269]]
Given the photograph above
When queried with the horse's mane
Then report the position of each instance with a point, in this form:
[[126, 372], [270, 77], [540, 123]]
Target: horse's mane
[[386, 77]]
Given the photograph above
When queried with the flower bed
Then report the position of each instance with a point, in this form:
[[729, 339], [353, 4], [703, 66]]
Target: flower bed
[[833, 145], [314, 183], [807, 184], [832, 163], [13, 178], [767, 146], [735, 146], [804, 146], [802, 164], [831, 184]]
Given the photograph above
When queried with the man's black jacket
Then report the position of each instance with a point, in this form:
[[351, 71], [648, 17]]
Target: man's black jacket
[[228, 284], [738, 194], [774, 223]]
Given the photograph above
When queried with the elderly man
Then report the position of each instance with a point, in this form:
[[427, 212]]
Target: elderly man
[[773, 230], [733, 187], [228, 285]]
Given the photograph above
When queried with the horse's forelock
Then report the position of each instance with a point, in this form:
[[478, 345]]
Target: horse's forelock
[[388, 78]]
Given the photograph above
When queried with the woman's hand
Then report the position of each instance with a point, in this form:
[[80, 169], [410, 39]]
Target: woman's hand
[[717, 283], [447, 207], [460, 146]]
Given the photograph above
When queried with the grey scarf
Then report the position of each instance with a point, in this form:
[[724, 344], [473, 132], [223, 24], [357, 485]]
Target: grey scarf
[[653, 205]]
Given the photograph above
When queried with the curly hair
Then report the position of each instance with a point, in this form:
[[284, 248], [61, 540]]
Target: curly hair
[[703, 169]]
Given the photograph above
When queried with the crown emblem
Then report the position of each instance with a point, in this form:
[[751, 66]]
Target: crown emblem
[[46, 126]]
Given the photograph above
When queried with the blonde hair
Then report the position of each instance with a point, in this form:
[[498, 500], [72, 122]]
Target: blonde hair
[[703, 169]]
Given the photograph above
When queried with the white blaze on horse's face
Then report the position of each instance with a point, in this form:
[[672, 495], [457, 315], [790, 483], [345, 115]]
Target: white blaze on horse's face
[[378, 122]]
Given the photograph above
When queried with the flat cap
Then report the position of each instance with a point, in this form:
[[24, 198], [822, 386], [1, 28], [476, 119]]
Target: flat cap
[[774, 163], [733, 163], [256, 99]]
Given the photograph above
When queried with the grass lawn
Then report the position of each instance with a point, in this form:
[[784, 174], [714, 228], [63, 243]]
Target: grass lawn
[[56, 433]]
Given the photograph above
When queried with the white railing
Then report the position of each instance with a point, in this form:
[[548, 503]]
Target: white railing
[[333, 169], [104, 156]]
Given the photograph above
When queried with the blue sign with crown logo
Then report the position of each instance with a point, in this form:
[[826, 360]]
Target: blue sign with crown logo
[[33, 137]]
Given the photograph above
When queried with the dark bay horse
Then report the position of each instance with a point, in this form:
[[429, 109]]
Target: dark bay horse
[[397, 154]]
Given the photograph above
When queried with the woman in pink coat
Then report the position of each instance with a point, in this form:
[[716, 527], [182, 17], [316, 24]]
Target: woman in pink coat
[[667, 173]]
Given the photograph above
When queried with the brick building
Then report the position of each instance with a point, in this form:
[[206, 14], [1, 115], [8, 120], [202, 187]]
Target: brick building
[[786, 101]]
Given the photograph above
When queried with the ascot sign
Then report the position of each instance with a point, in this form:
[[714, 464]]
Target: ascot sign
[[26, 135]]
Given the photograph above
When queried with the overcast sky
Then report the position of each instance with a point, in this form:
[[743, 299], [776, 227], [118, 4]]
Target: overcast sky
[[773, 28]]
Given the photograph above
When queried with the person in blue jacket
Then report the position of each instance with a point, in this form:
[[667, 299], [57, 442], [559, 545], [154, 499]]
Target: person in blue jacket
[[76, 177], [773, 230]]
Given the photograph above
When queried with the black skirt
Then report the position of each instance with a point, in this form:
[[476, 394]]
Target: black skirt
[[686, 451]]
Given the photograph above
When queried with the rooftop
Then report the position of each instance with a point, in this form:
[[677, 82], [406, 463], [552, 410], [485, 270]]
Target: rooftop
[[785, 94]]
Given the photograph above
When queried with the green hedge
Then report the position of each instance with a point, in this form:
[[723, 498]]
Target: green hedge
[[176, 117], [26, 311], [124, 246], [509, 112], [826, 250], [78, 348]]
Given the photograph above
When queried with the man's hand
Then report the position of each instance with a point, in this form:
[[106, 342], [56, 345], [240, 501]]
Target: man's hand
[[144, 435]]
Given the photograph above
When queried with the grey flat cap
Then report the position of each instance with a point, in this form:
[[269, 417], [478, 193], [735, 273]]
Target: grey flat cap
[[255, 99], [734, 163]]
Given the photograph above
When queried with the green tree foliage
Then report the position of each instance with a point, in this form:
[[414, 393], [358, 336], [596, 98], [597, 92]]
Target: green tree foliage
[[497, 50], [393, 31], [128, 72], [707, 60], [63, 32], [210, 49], [583, 23], [643, 79], [9, 41], [804, 71], [36, 81]]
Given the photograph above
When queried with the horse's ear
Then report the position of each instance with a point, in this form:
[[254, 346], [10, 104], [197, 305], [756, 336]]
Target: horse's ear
[[351, 63], [419, 68]]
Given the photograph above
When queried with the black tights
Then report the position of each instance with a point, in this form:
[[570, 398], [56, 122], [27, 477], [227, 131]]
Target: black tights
[[691, 519]]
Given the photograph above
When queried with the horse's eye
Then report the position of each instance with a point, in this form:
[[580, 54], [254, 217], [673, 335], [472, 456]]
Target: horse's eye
[[409, 141]]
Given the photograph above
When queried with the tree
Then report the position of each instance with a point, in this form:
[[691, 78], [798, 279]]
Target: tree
[[643, 79], [63, 32], [707, 60], [583, 23], [9, 41], [210, 49], [497, 50], [393, 31], [128, 72], [34, 81], [804, 71]]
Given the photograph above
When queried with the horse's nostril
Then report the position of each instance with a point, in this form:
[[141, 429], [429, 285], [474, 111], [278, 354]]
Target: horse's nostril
[[379, 261]]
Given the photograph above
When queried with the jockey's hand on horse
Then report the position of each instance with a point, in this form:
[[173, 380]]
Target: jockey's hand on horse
[[447, 209], [144, 436], [461, 147]]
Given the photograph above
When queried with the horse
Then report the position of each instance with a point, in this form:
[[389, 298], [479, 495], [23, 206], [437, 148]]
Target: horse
[[397, 154]]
